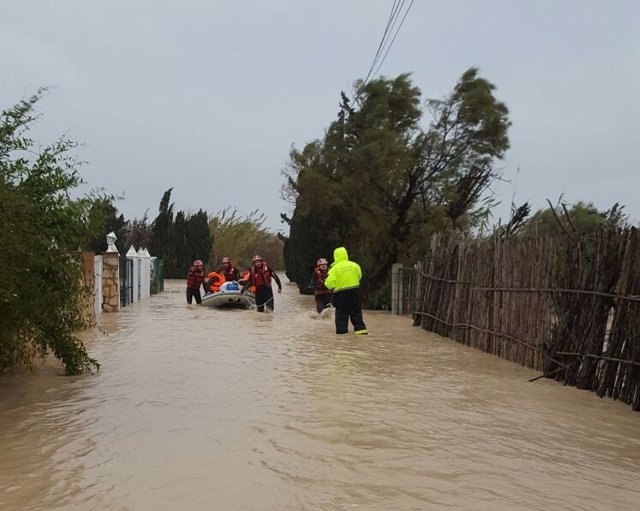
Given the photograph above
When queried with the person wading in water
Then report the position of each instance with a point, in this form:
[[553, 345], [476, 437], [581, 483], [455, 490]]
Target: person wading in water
[[323, 295], [260, 277], [344, 279], [195, 279], [229, 270]]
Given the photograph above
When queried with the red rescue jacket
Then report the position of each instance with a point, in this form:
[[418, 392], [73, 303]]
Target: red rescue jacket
[[231, 273], [262, 276], [194, 278], [318, 280]]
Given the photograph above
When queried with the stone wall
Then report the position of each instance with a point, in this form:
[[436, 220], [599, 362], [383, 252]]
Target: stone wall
[[88, 280], [111, 282]]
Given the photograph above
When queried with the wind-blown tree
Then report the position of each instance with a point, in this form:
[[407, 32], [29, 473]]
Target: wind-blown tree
[[241, 237], [581, 217], [162, 234], [137, 233], [179, 240], [107, 215], [309, 239], [198, 239], [271, 249], [518, 220], [380, 183], [41, 288]]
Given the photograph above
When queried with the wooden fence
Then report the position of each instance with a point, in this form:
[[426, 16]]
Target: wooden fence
[[566, 306]]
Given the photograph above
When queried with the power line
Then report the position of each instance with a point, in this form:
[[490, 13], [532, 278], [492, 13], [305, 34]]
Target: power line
[[394, 37], [394, 15], [395, 9], [378, 51]]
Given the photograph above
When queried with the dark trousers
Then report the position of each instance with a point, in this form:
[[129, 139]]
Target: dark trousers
[[264, 298], [347, 305], [322, 301], [193, 293]]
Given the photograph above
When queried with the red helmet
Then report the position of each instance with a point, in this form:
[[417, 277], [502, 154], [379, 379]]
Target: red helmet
[[322, 261], [256, 258], [226, 260], [197, 262]]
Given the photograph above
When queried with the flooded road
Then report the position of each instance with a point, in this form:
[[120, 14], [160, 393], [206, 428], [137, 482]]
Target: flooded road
[[199, 409]]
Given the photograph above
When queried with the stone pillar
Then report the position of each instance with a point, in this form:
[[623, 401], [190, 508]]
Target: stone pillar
[[111, 282], [396, 288], [88, 273]]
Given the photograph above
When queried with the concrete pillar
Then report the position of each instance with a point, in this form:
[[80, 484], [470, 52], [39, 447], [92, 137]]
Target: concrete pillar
[[145, 273], [97, 286], [111, 282], [396, 288]]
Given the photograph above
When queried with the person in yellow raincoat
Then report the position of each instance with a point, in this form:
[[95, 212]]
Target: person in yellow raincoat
[[344, 280]]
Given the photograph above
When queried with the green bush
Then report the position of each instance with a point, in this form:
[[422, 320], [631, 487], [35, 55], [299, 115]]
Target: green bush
[[41, 226]]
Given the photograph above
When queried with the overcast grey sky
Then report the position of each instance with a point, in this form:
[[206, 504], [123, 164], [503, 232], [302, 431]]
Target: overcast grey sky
[[208, 96]]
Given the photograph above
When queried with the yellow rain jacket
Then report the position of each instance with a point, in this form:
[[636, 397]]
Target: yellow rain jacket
[[344, 274]]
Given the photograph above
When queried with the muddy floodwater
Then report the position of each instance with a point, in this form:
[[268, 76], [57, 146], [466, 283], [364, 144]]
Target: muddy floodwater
[[200, 409]]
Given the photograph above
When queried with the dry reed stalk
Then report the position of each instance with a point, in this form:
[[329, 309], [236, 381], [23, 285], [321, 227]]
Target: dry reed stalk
[[567, 307]]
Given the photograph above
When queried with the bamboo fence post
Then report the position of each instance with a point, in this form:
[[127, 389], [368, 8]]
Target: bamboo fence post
[[567, 307]]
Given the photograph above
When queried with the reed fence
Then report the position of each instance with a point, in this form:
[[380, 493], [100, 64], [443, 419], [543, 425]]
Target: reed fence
[[568, 307]]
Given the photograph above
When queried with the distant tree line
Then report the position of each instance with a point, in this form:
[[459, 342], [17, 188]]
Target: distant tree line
[[241, 237], [180, 238]]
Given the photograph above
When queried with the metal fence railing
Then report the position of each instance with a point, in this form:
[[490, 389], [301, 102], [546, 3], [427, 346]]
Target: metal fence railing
[[126, 281], [157, 276]]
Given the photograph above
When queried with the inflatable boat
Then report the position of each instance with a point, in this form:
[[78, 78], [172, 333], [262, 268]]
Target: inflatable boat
[[229, 296]]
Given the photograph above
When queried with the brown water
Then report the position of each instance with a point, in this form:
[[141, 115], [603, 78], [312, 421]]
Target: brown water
[[199, 409]]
